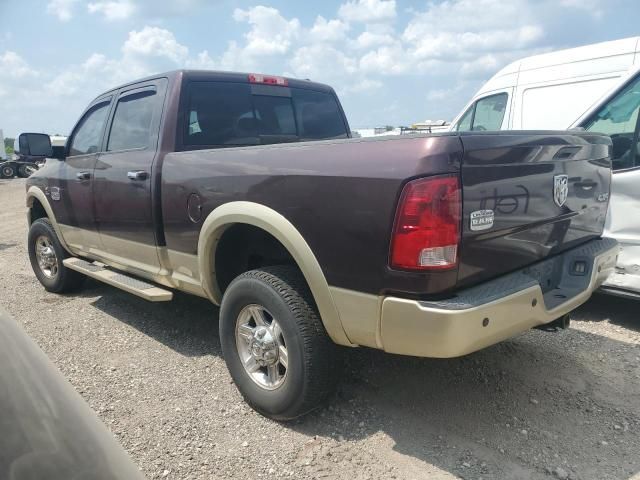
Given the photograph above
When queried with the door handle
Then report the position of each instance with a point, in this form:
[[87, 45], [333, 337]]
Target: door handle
[[137, 175], [83, 175]]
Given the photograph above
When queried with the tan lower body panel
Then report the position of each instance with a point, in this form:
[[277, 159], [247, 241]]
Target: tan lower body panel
[[157, 264], [360, 315], [91, 243], [410, 327]]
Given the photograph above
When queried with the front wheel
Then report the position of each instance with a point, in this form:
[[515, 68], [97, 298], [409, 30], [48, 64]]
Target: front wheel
[[46, 255], [275, 345]]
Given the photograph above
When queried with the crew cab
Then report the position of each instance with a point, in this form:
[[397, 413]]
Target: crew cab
[[247, 190]]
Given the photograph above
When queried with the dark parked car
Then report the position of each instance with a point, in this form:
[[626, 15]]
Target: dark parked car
[[48, 431], [248, 190]]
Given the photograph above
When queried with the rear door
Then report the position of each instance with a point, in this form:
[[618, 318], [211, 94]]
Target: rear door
[[123, 177]]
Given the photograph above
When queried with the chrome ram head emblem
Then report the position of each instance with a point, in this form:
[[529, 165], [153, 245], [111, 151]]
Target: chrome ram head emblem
[[560, 189]]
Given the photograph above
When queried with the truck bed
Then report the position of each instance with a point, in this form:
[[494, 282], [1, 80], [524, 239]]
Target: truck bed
[[342, 196]]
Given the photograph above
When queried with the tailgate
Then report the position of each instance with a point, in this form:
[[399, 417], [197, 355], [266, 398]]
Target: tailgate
[[529, 195]]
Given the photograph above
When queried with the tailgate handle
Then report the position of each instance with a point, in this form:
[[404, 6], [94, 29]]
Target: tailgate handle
[[137, 175], [586, 185]]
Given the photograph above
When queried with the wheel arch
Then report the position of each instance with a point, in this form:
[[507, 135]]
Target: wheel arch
[[267, 219], [35, 196]]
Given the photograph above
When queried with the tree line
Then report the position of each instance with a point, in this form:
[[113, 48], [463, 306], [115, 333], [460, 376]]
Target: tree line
[[8, 145]]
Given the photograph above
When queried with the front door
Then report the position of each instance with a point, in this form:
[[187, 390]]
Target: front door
[[72, 198], [124, 178]]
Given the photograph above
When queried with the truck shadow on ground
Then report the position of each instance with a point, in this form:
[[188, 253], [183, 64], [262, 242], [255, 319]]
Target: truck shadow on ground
[[187, 324], [520, 409], [5, 246], [619, 311]]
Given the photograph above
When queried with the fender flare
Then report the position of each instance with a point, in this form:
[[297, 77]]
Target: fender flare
[[280, 228], [37, 194]]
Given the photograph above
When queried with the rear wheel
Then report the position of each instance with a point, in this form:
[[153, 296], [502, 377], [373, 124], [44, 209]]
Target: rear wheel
[[8, 171], [46, 255], [275, 345]]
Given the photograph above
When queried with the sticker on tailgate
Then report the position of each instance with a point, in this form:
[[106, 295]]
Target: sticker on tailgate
[[481, 220]]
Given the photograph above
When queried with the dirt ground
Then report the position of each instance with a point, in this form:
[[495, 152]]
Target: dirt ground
[[542, 405]]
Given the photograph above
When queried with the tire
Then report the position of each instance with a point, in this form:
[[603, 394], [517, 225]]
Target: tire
[[53, 276], [7, 171], [25, 171], [313, 360]]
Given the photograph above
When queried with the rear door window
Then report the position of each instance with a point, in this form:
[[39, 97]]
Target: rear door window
[[485, 114], [618, 118], [233, 114], [131, 127]]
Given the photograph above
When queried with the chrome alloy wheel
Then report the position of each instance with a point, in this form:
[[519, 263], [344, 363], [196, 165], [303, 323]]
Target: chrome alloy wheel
[[46, 256], [261, 346]]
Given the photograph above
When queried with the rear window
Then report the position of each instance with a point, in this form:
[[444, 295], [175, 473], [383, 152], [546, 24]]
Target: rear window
[[234, 114]]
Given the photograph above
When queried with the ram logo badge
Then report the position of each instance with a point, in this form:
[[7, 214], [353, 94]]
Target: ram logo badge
[[481, 220], [55, 193], [560, 189]]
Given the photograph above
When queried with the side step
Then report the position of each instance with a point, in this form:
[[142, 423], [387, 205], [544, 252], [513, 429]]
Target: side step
[[130, 284]]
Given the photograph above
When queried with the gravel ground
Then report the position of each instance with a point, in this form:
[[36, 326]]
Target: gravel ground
[[543, 405]]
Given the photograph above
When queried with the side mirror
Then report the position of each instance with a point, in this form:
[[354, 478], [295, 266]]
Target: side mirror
[[34, 145]]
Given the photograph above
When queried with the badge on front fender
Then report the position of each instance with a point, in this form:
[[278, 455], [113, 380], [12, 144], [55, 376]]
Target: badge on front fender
[[55, 193]]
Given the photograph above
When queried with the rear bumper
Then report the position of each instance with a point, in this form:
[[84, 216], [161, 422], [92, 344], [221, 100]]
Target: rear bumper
[[499, 309]]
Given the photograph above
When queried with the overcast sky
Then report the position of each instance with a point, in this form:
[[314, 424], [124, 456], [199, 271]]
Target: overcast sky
[[391, 61]]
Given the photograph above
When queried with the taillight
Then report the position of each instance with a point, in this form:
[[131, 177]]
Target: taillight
[[426, 232], [268, 80]]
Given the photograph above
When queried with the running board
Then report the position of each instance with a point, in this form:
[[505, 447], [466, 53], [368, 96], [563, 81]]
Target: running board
[[125, 282]]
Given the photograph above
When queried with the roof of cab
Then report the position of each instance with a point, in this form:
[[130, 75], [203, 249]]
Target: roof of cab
[[220, 76]]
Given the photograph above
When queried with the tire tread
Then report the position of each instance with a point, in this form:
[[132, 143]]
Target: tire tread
[[322, 359]]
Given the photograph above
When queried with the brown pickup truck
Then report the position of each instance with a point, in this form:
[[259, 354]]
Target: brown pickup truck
[[248, 190]]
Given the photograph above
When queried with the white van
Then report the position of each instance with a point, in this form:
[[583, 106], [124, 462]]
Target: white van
[[617, 114], [518, 96]]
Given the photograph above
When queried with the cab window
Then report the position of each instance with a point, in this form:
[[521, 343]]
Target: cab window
[[618, 118], [485, 114], [88, 135], [131, 127]]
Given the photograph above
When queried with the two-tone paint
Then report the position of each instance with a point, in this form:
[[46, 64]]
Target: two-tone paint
[[331, 204]]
